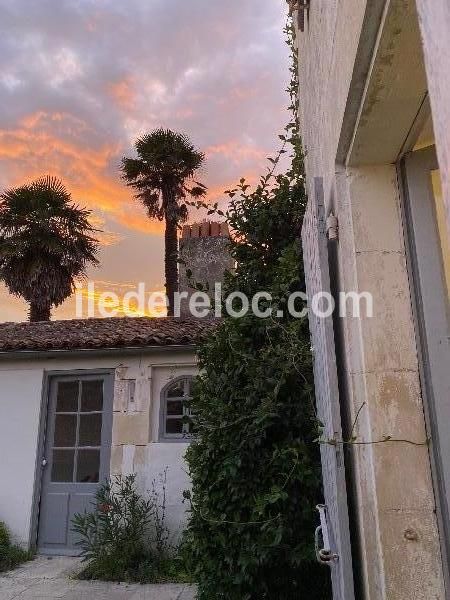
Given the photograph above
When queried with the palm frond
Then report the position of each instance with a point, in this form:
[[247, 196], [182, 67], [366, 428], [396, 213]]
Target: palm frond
[[166, 161], [46, 241]]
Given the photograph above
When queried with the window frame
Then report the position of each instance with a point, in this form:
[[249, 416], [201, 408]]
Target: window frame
[[185, 436], [430, 308]]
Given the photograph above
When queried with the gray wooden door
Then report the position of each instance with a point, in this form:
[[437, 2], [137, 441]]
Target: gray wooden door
[[76, 455], [335, 538], [429, 258]]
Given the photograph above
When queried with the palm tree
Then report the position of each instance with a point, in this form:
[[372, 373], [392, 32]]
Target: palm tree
[[45, 244], [163, 177]]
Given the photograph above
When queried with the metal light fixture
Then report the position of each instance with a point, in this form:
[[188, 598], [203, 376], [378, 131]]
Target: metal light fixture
[[301, 6]]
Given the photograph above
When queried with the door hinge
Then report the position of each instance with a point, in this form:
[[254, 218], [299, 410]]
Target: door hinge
[[324, 555]]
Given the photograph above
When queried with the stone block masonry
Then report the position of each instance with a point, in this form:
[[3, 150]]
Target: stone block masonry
[[204, 251]]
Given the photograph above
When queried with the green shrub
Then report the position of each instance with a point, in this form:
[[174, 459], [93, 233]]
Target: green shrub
[[125, 537], [10, 555], [255, 462], [5, 539]]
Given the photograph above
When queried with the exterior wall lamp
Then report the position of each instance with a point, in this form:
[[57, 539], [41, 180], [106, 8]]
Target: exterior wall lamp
[[301, 6]]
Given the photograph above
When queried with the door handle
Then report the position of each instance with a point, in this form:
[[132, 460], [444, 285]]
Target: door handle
[[44, 462], [324, 555]]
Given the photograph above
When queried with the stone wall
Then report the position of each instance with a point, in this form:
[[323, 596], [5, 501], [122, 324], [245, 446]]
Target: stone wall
[[349, 53], [136, 446], [203, 251]]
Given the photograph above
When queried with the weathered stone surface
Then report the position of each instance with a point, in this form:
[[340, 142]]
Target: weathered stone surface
[[131, 429], [205, 253], [361, 81], [46, 578]]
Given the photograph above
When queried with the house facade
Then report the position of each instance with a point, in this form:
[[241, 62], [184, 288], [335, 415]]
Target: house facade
[[375, 122], [82, 401], [87, 399]]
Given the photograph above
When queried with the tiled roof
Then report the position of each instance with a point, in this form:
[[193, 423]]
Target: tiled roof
[[125, 332]]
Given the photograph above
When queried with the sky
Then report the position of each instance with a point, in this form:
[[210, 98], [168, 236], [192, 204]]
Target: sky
[[80, 80]]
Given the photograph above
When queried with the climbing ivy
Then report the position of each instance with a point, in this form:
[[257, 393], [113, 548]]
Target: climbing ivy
[[254, 464]]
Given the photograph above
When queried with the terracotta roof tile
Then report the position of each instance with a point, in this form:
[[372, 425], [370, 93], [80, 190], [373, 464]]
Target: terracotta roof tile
[[124, 332]]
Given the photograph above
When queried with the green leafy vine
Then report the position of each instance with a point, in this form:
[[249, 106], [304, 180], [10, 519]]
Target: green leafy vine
[[254, 465]]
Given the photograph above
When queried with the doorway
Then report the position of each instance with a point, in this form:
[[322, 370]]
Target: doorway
[[76, 455]]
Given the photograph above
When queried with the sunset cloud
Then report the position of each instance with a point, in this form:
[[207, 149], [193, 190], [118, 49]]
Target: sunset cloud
[[237, 152], [80, 80], [100, 298], [123, 92]]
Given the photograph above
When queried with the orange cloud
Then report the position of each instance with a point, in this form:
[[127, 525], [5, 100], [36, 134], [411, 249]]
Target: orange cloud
[[241, 94], [236, 152], [123, 92], [42, 118], [53, 143], [102, 297], [33, 149], [105, 237]]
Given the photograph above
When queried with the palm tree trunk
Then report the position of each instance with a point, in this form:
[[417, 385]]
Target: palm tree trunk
[[171, 262], [38, 312]]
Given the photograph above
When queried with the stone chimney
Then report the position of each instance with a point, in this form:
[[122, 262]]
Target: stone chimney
[[203, 251]]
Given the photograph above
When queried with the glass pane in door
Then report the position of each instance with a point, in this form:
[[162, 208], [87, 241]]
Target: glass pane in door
[[90, 433], [65, 431], [62, 468], [88, 466], [77, 436], [91, 396], [67, 400]]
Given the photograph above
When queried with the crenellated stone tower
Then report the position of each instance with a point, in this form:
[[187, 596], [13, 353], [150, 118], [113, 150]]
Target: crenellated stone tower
[[204, 251]]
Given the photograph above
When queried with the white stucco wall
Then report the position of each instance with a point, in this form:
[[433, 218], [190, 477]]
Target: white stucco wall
[[20, 402], [135, 429]]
